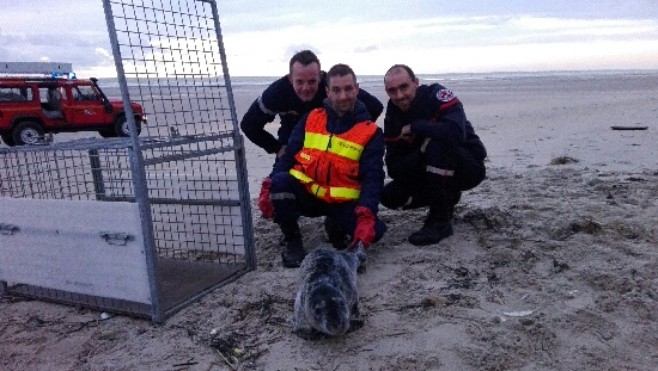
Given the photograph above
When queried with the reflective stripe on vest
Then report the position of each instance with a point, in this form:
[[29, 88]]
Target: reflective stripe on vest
[[333, 144], [326, 192], [323, 152]]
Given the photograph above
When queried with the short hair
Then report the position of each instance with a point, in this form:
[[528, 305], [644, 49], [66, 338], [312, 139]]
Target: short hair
[[401, 66], [340, 70], [304, 57]]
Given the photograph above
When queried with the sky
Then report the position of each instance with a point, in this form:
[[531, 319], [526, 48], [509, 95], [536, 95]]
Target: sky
[[433, 37]]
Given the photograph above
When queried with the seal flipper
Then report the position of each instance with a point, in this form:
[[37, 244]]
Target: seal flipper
[[359, 252], [356, 321]]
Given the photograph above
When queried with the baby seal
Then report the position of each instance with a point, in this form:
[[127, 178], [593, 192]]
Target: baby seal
[[327, 299]]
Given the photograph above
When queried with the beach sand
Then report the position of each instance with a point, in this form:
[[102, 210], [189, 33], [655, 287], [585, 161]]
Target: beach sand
[[553, 264]]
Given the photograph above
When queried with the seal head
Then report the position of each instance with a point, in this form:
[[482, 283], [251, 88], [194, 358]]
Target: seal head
[[327, 299], [329, 312]]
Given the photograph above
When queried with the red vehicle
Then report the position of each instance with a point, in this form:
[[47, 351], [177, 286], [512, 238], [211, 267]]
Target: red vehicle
[[32, 107]]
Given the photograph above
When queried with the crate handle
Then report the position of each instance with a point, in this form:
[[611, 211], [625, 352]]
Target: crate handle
[[117, 239]]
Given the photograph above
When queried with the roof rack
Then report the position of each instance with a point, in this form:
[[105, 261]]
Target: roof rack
[[36, 69]]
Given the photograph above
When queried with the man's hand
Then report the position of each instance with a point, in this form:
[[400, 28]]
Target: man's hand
[[264, 200], [365, 226], [405, 134]]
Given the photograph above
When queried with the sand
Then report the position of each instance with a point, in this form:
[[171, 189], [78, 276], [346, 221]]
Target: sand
[[553, 264]]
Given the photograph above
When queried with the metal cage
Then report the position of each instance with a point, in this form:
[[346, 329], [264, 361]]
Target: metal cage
[[142, 225]]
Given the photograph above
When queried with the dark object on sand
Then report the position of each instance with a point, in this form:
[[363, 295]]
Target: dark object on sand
[[629, 127], [563, 160]]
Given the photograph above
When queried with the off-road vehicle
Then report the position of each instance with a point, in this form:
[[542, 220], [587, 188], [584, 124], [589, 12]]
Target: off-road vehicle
[[32, 107]]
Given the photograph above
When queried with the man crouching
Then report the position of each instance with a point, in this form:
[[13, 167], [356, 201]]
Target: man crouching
[[332, 166], [432, 152]]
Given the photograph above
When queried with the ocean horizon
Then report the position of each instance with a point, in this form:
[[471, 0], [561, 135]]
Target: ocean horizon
[[368, 80]]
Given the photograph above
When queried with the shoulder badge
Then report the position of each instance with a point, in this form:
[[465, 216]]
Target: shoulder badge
[[445, 95]]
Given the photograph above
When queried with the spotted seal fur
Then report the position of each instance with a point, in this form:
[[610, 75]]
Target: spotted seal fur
[[327, 301]]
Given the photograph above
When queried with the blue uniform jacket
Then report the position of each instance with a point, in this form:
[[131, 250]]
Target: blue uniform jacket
[[371, 163], [280, 99], [435, 113]]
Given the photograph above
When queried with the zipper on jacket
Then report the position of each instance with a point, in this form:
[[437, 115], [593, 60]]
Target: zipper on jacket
[[331, 135]]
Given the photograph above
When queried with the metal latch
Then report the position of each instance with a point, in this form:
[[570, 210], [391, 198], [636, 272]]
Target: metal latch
[[117, 239], [8, 229]]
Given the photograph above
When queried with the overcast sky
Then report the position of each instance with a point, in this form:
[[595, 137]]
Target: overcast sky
[[432, 36]]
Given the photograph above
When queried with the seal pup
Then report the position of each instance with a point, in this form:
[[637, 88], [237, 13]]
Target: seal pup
[[327, 301]]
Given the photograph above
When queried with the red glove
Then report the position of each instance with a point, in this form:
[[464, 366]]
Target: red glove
[[365, 226], [264, 199]]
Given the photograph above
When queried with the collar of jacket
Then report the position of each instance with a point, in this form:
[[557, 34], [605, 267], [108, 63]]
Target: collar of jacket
[[338, 125]]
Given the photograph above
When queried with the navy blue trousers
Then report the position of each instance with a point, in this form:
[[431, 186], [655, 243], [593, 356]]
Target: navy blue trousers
[[291, 200], [427, 188]]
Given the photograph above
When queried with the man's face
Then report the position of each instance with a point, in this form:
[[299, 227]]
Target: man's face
[[305, 80], [342, 92], [401, 89]]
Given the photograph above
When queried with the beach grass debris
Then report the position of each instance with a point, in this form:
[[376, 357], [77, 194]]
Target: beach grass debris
[[519, 313]]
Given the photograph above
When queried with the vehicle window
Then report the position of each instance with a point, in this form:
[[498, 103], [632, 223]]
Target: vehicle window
[[15, 94], [84, 93], [43, 95], [62, 94], [48, 94]]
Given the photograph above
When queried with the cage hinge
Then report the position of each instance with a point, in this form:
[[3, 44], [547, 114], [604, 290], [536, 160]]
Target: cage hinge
[[8, 229], [117, 239]]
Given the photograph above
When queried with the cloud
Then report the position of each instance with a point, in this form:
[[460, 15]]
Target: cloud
[[103, 52], [452, 43], [366, 49]]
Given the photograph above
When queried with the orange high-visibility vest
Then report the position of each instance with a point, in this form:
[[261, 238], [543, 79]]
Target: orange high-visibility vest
[[328, 164]]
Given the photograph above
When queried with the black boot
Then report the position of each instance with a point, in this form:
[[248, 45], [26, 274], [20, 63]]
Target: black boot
[[437, 226], [443, 198], [335, 234], [293, 251]]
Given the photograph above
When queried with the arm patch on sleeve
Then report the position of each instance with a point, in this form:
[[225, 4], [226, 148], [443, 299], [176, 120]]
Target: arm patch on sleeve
[[445, 95]]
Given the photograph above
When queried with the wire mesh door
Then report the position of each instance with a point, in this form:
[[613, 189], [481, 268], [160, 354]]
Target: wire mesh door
[[170, 58]]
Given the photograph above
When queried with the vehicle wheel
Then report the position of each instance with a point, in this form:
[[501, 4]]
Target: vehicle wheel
[[107, 133], [27, 132], [6, 137], [121, 127]]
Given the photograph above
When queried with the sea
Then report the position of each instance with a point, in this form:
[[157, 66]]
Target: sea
[[377, 80]]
